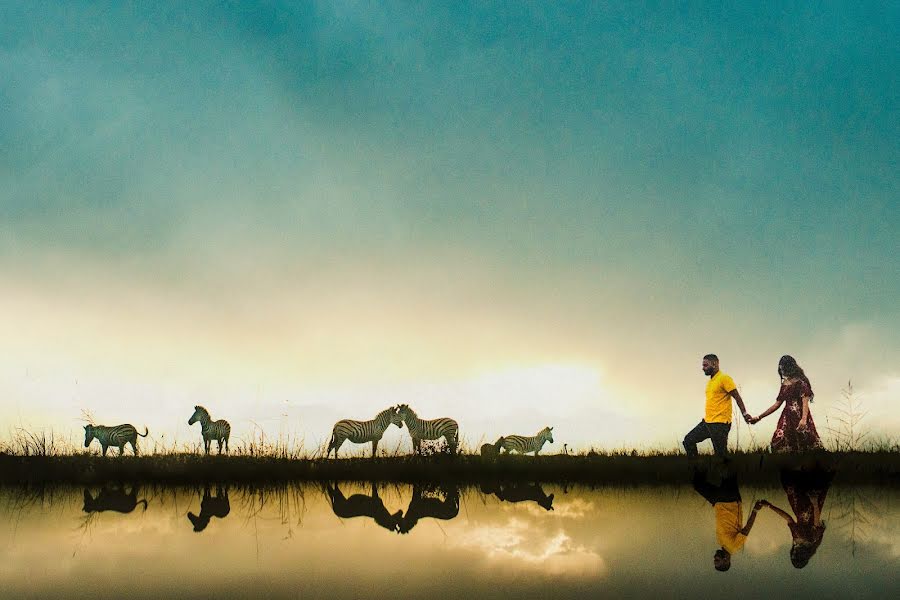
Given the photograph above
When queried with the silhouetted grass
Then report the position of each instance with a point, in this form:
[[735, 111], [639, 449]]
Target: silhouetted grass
[[880, 466]]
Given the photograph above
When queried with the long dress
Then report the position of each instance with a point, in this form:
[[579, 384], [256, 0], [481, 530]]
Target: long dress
[[787, 436]]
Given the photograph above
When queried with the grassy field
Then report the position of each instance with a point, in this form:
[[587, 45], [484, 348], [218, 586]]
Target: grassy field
[[878, 467]]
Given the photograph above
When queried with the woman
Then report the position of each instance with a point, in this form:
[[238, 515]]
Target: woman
[[796, 431]]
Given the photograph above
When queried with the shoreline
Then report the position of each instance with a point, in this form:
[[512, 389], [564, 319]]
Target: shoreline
[[882, 468]]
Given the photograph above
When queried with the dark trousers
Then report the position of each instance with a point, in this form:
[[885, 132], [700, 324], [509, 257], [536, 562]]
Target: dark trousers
[[717, 432]]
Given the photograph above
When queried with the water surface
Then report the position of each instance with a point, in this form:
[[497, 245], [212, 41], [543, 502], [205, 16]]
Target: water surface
[[494, 541]]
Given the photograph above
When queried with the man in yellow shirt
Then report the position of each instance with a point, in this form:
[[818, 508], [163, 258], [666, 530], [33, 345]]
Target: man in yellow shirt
[[716, 422]]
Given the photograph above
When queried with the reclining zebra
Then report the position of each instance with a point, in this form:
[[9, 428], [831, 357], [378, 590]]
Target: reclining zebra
[[360, 432], [523, 444], [421, 429], [118, 435], [211, 430]]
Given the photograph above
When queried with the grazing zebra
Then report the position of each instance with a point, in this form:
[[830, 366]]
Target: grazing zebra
[[491, 450], [523, 444], [360, 432], [211, 430], [429, 430], [113, 436]]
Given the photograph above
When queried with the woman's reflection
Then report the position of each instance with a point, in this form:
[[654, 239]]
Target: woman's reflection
[[725, 498], [806, 491], [210, 506], [519, 492]]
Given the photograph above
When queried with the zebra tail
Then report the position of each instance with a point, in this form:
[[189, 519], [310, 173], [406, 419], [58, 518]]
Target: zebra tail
[[146, 432]]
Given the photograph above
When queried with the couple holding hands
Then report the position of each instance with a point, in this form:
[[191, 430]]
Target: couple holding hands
[[796, 431]]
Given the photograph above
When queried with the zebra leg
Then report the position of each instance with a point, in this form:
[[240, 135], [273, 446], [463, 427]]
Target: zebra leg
[[134, 446], [374, 447], [105, 448], [219, 442], [206, 446], [121, 449]]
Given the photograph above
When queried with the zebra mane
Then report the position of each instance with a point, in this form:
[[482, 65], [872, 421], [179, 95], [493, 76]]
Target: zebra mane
[[201, 410], [386, 412], [408, 410]]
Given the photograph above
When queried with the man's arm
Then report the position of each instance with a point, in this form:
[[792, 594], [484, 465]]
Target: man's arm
[[740, 402]]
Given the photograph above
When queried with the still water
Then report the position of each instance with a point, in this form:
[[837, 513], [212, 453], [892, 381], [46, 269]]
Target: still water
[[498, 541]]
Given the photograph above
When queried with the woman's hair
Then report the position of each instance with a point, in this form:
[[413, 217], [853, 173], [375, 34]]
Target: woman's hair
[[788, 368], [801, 553]]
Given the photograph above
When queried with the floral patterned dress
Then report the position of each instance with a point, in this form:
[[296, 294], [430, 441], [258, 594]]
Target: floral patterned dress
[[788, 437]]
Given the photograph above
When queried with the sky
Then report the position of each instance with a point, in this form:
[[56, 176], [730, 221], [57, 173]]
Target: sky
[[514, 214]]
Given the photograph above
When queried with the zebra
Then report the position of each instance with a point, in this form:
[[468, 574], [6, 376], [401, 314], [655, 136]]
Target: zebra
[[211, 430], [523, 444], [420, 429], [113, 436], [492, 450], [360, 432]]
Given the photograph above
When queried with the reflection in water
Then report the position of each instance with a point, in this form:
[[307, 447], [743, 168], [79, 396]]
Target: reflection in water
[[421, 506], [282, 542], [519, 492], [806, 491], [361, 505], [210, 506], [112, 498], [731, 532]]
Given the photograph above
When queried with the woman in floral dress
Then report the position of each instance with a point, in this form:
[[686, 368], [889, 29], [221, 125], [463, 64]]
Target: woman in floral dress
[[796, 431]]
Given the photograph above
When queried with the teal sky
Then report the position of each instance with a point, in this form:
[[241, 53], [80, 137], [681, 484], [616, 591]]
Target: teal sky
[[325, 206]]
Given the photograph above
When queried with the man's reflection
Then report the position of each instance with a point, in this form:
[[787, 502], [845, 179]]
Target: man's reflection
[[731, 532], [421, 506], [112, 498], [519, 492], [210, 506], [806, 491], [361, 505]]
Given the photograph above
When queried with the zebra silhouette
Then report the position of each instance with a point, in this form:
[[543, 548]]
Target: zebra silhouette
[[421, 506], [491, 450], [361, 505], [113, 436], [523, 444], [360, 432], [211, 430], [434, 429], [520, 492], [210, 506], [112, 498]]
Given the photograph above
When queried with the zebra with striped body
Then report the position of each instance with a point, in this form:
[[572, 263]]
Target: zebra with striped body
[[113, 436], [360, 432], [421, 429], [211, 430], [523, 444]]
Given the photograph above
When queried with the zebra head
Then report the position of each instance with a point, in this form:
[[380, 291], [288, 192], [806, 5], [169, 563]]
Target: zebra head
[[405, 413], [88, 435], [199, 414], [396, 417], [546, 434]]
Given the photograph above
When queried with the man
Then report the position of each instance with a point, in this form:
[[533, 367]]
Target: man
[[716, 422], [731, 533]]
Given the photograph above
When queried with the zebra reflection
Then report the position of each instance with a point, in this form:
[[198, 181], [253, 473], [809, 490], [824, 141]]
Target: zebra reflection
[[361, 505], [112, 499], [210, 506], [421, 506], [520, 492]]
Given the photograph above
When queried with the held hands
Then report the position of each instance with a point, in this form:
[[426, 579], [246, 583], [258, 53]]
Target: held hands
[[801, 426], [750, 420]]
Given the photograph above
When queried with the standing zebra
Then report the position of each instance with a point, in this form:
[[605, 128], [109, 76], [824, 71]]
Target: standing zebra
[[360, 432], [429, 430], [523, 444], [211, 430], [113, 436]]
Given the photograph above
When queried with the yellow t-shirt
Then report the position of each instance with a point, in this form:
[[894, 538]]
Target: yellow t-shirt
[[718, 402], [729, 517]]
